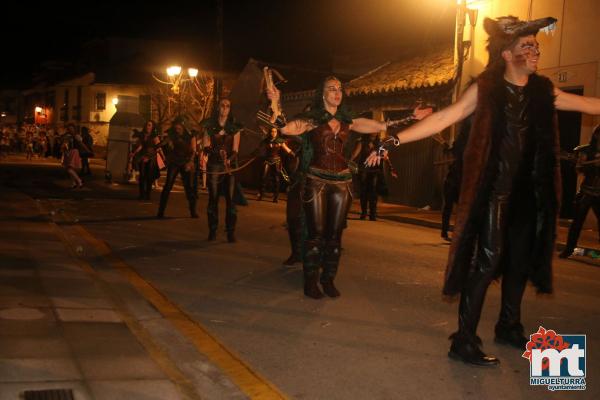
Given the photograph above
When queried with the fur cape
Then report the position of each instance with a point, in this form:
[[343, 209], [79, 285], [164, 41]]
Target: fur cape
[[480, 161]]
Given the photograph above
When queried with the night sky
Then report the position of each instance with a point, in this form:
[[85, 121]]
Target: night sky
[[304, 32]]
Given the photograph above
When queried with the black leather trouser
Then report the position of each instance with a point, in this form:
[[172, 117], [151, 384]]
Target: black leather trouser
[[491, 249], [186, 177], [583, 203], [293, 217], [218, 184], [368, 191], [271, 171], [85, 166], [147, 175], [326, 205]]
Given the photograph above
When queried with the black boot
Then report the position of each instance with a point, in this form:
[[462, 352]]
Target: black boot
[[212, 235], [231, 237], [566, 253], [373, 209], [161, 210], [329, 288], [193, 213], [511, 335], [292, 259], [466, 349], [162, 206], [311, 289]]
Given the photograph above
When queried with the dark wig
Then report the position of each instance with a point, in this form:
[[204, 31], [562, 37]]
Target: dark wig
[[317, 110]]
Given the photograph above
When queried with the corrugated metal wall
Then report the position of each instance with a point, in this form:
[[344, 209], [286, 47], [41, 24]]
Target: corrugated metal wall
[[419, 182]]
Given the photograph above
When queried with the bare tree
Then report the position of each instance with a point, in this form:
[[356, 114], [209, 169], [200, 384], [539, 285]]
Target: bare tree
[[191, 98]]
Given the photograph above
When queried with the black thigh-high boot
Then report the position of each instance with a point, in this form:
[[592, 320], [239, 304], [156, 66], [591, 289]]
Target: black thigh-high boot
[[450, 197], [465, 343], [364, 193], [152, 174], [188, 186], [142, 180], [373, 181], [338, 204], [264, 180], [212, 210], [231, 211], [164, 195], [519, 242], [293, 213], [276, 171], [314, 205]]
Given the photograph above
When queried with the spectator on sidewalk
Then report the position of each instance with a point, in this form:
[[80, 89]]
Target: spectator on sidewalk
[[87, 146], [29, 145], [71, 157]]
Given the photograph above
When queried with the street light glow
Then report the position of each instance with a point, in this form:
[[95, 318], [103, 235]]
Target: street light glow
[[173, 70], [38, 109], [115, 100], [192, 72]]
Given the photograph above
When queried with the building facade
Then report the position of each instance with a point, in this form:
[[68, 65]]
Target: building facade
[[570, 55]]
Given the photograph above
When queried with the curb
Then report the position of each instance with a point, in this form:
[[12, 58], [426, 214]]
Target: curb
[[559, 246]]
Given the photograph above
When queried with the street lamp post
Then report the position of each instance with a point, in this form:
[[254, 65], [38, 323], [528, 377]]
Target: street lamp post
[[179, 80], [190, 88]]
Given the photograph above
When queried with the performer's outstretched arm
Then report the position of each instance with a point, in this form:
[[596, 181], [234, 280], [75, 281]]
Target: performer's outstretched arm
[[440, 120], [436, 122], [572, 102], [365, 125], [296, 127]]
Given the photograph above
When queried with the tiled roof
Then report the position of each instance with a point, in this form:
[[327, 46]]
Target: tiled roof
[[435, 68]]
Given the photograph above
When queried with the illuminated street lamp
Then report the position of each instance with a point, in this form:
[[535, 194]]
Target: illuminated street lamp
[[38, 109], [173, 71], [177, 78], [115, 101], [184, 91]]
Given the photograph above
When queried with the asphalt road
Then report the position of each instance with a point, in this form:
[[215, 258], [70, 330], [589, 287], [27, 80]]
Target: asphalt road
[[384, 338]]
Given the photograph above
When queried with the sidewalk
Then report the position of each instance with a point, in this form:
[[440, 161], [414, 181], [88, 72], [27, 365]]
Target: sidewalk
[[67, 324], [588, 240]]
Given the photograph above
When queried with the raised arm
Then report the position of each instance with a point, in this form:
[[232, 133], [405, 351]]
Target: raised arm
[[296, 127], [438, 121], [572, 102], [364, 125]]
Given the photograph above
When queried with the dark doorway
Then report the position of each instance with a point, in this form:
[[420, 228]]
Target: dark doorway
[[569, 124]]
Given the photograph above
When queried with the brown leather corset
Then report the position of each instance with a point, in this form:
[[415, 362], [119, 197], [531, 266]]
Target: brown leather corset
[[328, 148], [218, 143], [273, 150]]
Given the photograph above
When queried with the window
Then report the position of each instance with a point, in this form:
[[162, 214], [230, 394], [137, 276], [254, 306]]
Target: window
[[100, 101]]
